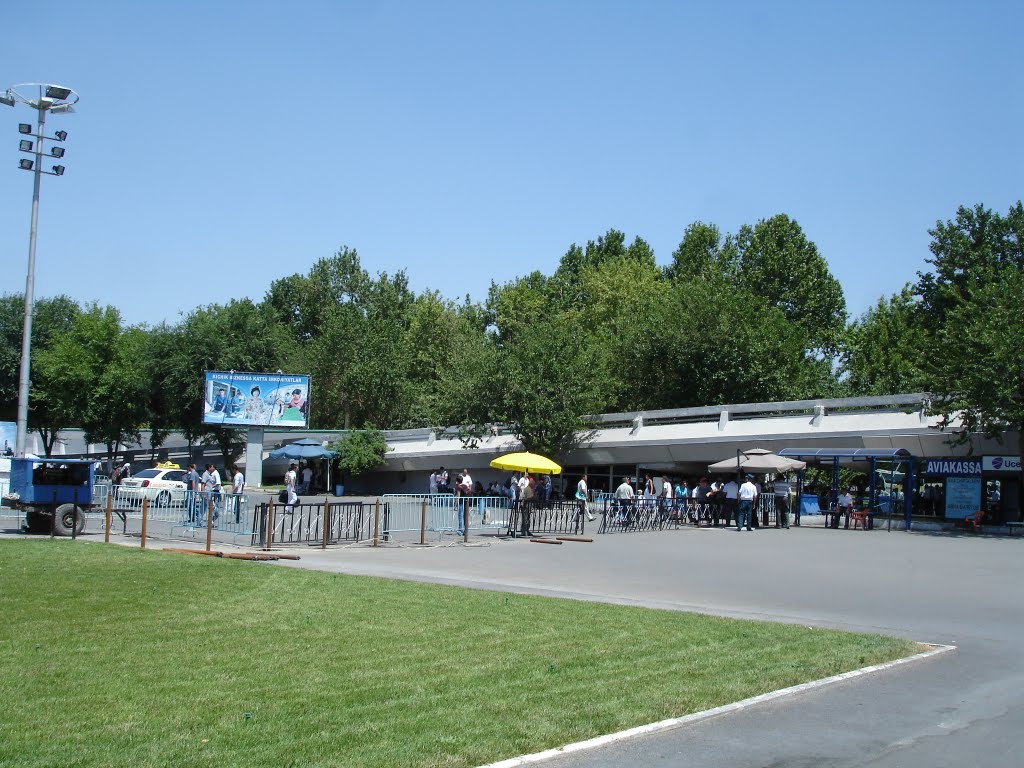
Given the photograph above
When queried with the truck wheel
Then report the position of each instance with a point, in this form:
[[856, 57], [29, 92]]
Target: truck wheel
[[68, 516], [163, 499]]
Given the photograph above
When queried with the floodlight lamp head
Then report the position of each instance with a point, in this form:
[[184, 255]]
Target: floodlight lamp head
[[56, 151], [24, 128], [60, 135], [58, 170], [57, 92], [62, 109], [25, 145], [25, 165], [7, 98]]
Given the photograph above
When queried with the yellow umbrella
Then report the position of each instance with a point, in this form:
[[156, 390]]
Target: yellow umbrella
[[527, 462]]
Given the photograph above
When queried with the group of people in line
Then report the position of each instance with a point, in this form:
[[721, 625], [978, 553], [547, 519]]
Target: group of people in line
[[519, 487], [206, 491], [717, 501]]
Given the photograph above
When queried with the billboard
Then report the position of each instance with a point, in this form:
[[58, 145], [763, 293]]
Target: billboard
[[234, 399]]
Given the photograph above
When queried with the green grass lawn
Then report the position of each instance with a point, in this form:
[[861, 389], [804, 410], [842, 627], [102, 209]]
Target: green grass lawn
[[123, 657]]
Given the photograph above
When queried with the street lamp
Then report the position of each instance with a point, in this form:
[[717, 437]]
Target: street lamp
[[43, 98]]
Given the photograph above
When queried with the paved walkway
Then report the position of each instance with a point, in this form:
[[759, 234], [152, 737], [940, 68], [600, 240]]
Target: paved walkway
[[964, 708]]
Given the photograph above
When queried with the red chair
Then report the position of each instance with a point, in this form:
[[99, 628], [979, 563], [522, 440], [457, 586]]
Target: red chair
[[972, 522], [859, 516]]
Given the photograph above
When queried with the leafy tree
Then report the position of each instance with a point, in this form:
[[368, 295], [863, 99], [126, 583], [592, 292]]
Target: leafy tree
[[566, 288], [360, 451], [884, 350], [775, 260], [701, 254], [974, 301], [75, 380], [51, 318], [116, 409]]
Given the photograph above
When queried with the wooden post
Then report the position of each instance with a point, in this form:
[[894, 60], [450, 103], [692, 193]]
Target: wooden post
[[327, 519], [269, 538], [110, 506], [209, 523], [145, 516], [376, 522], [423, 522]]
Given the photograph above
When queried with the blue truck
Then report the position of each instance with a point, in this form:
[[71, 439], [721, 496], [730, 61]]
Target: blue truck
[[53, 493]]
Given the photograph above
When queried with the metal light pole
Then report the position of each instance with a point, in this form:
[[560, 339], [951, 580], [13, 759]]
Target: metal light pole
[[42, 97]]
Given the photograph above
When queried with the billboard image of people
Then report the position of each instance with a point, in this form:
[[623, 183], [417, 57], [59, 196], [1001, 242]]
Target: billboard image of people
[[256, 399]]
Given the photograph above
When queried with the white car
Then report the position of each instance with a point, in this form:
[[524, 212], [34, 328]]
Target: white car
[[163, 487]]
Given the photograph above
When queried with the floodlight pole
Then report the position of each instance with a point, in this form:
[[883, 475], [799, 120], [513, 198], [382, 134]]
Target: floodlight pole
[[50, 98], [24, 377]]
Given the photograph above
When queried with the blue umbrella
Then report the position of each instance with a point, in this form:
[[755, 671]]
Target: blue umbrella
[[303, 449]]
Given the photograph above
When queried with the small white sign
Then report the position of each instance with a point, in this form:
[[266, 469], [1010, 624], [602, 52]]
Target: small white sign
[[1000, 464]]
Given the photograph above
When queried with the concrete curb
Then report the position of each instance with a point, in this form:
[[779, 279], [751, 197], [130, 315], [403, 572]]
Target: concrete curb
[[677, 722]]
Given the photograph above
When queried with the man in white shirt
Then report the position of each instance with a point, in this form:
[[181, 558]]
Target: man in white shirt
[[307, 478], [289, 484], [237, 489], [466, 479], [748, 497], [845, 503], [212, 489]]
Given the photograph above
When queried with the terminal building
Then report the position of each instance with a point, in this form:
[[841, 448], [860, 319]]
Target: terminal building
[[894, 444]]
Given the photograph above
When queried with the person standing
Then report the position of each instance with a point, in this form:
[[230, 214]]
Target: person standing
[[665, 498], [624, 496], [442, 481], [193, 499], [212, 489], [289, 486], [582, 496], [237, 491], [781, 490], [433, 483], [732, 498], [748, 498], [307, 479]]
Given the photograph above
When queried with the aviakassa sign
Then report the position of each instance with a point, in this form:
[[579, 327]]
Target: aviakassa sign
[[1000, 463], [953, 467]]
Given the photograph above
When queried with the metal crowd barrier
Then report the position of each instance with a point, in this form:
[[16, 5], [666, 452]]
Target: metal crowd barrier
[[323, 523], [185, 513], [439, 513], [561, 516]]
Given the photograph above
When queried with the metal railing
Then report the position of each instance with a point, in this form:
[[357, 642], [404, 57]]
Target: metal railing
[[565, 516], [441, 513], [323, 523]]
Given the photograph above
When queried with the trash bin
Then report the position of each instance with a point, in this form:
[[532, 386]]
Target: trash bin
[[339, 490]]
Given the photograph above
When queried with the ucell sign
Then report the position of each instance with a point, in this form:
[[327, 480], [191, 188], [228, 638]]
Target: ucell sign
[[1000, 464]]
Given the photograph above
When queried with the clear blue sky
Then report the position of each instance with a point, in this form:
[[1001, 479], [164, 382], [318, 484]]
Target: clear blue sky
[[219, 146]]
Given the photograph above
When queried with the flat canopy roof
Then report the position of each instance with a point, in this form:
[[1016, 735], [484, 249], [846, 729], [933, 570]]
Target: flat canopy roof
[[846, 453]]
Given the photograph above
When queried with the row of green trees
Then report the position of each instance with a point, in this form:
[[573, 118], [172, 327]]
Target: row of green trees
[[754, 315]]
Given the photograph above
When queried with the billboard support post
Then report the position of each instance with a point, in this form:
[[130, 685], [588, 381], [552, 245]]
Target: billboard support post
[[254, 457]]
